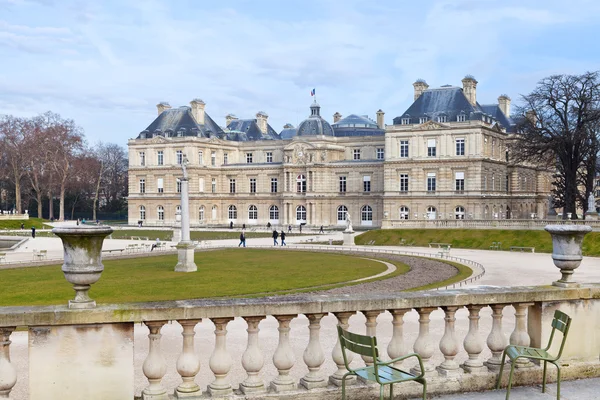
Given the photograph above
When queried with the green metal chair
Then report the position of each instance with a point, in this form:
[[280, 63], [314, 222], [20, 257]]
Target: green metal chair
[[561, 322], [380, 372]]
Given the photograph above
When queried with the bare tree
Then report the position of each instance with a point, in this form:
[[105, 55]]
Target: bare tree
[[13, 141]]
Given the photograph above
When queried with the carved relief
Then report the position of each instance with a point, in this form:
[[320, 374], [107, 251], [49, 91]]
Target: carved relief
[[431, 125]]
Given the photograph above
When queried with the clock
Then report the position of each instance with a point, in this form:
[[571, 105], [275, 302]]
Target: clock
[[300, 153]]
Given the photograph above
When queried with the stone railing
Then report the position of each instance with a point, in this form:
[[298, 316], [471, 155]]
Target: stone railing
[[482, 223]]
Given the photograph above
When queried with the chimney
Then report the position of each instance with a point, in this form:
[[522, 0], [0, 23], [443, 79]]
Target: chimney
[[261, 121], [470, 89], [336, 117], [198, 110], [530, 115], [380, 119], [162, 106], [504, 103], [229, 118], [420, 86]]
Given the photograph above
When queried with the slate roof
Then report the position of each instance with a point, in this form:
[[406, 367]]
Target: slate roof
[[356, 125], [315, 125], [180, 122], [288, 132], [243, 130]]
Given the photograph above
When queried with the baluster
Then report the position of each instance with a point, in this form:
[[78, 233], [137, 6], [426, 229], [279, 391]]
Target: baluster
[[496, 341], [155, 366], [473, 342], [423, 345], [284, 359], [253, 359], [220, 360], [371, 330], [449, 344], [188, 363], [337, 356], [520, 336], [396, 347], [8, 373], [313, 355]]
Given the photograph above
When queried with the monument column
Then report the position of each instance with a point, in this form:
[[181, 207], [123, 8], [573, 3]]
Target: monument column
[[185, 248]]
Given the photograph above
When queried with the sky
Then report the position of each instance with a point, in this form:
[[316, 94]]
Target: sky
[[106, 64]]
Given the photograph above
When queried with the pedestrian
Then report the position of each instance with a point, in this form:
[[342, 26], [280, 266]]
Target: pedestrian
[[77, 221], [283, 238], [321, 230], [155, 245], [22, 226], [275, 236], [242, 239], [300, 228], [268, 225], [243, 227], [289, 229], [230, 224], [33, 232]]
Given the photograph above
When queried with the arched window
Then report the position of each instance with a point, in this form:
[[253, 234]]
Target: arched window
[[404, 212], [301, 184], [431, 212], [274, 213], [232, 212], [142, 212], [301, 214], [341, 214], [252, 213], [161, 213], [213, 213], [201, 213], [366, 215], [459, 212]]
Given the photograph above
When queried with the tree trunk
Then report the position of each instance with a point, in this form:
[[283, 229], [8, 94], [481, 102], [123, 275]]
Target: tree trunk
[[18, 194], [97, 190], [61, 207], [38, 196], [50, 206]]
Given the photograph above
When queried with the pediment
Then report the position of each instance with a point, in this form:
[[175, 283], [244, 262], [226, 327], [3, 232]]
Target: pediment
[[496, 127], [296, 144], [432, 125], [158, 139]]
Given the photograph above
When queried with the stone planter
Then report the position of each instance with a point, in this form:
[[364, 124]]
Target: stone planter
[[82, 259], [566, 250]]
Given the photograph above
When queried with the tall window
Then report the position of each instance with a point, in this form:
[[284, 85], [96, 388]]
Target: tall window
[[200, 157], [252, 213], [273, 213], [301, 184], [213, 212], [161, 213], [178, 182], [485, 182], [301, 213], [232, 186], [366, 183], [249, 158], [142, 158], [366, 214], [179, 154], [201, 213], [459, 181], [506, 183], [404, 212], [404, 148], [342, 184], [213, 185], [404, 182], [160, 185], [431, 184], [232, 212], [431, 212], [201, 185], [160, 158], [493, 145], [269, 157], [380, 154], [142, 186], [460, 147], [273, 185], [142, 212], [225, 158], [356, 154], [431, 150], [213, 158], [493, 182], [341, 214], [252, 185], [459, 212]]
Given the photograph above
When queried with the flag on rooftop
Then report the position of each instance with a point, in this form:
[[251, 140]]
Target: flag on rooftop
[[312, 92]]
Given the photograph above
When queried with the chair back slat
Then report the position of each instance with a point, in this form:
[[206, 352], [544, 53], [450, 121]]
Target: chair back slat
[[359, 349], [360, 344], [561, 321]]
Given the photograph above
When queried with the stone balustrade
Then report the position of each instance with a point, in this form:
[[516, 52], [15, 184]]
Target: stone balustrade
[[538, 224], [98, 343]]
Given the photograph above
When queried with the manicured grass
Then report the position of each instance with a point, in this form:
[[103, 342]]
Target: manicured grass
[[38, 223], [223, 273], [195, 235], [474, 238]]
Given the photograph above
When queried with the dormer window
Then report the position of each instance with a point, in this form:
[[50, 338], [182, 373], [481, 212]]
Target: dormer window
[[405, 121], [461, 118], [442, 118], [422, 120]]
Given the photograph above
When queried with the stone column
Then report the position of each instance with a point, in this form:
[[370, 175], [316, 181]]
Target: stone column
[[371, 330], [520, 337], [253, 359], [336, 354], [449, 345], [8, 373], [313, 355], [396, 347], [473, 343], [188, 363], [496, 341], [284, 359], [424, 345], [220, 360], [185, 248], [155, 366]]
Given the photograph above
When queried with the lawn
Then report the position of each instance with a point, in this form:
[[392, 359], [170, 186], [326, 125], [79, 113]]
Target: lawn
[[16, 223], [195, 235], [223, 273], [474, 238]]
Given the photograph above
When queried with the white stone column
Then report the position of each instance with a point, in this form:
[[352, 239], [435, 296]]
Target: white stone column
[[313, 354], [8, 373], [424, 345], [396, 346], [185, 248], [520, 336], [155, 366], [220, 360], [188, 363], [253, 359], [336, 354], [473, 342], [371, 330], [284, 359], [496, 341], [449, 345]]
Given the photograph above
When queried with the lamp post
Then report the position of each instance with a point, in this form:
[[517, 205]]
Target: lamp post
[[185, 248]]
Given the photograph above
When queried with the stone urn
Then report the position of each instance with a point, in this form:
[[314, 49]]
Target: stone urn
[[566, 250], [82, 259]]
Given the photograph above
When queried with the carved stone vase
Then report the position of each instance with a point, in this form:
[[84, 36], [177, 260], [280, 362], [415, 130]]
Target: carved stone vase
[[82, 259], [566, 250]]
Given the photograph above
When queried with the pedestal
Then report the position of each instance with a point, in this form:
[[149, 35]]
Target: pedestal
[[348, 238], [176, 235], [185, 257], [591, 216]]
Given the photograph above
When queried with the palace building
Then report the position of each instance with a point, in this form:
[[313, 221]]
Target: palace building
[[445, 157]]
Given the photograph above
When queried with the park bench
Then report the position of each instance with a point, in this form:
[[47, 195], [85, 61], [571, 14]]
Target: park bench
[[444, 251], [40, 255], [522, 249], [440, 245], [496, 246], [132, 248], [2, 257]]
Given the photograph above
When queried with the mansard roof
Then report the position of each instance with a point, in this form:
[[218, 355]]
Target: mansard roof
[[288, 132], [356, 125], [243, 130], [180, 122]]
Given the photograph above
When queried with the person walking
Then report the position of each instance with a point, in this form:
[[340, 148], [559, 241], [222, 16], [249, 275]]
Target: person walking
[[289, 229], [33, 232], [242, 239], [321, 230], [275, 236], [300, 228], [283, 238]]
